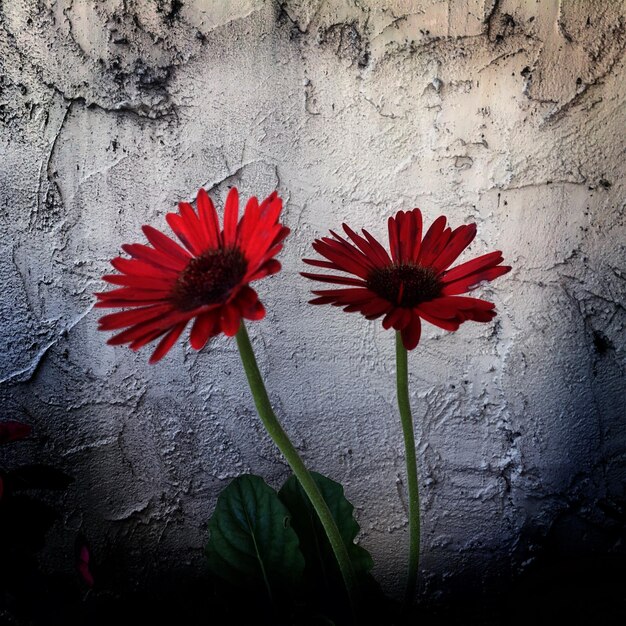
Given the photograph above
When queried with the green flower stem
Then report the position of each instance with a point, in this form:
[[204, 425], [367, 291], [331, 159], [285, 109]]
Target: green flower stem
[[280, 438], [402, 380]]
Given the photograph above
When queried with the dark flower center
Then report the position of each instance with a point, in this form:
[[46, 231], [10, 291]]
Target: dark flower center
[[209, 278], [405, 285]]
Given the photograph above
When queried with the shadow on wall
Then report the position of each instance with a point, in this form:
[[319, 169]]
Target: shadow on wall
[[570, 571]]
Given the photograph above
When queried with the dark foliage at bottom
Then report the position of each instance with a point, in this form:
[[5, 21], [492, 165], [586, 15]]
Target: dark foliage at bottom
[[555, 591]]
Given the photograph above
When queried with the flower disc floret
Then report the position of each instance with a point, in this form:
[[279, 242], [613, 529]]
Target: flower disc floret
[[209, 278], [406, 284]]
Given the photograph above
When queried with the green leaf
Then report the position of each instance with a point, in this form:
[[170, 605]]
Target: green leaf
[[251, 539], [315, 546]]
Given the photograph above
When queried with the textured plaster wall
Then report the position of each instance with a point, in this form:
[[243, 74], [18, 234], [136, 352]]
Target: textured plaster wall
[[508, 113]]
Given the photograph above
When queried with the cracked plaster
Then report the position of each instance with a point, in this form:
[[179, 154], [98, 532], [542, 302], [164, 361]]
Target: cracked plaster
[[507, 113]]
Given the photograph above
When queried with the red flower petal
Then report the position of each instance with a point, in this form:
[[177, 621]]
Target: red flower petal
[[147, 283], [133, 267], [208, 219], [464, 303], [117, 303], [133, 294], [327, 264], [193, 230], [347, 296], [459, 308], [231, 213], [378, 253], [249, 305], [83, 559], [386, 259], [184, 232], [113, 321], [476, 315], [271, 208], [343, 245], [249, 222], [230, 320], [153, 257], [338, 280], [263, 244], [410, 236], [282, 233], [323, 300], [411, 333], [267, 269], [375, 308], [202, 329], [471, 282], [165, 244], [392, 318], [405, 319], [252, 311], [431, 239], [459, 240], [167, 342], [446, 324], [469, 267], [343, 259], [394, 239], [417, 240], [14, 431], [146, 338]]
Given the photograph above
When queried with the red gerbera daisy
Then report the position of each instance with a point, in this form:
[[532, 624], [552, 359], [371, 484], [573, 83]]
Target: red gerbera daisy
[[165, 285], [414, 282]]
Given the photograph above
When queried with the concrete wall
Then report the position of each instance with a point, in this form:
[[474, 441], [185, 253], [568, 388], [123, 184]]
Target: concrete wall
[[507, 113]]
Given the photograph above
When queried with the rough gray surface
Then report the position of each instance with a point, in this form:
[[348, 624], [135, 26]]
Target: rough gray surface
[[507, 113]]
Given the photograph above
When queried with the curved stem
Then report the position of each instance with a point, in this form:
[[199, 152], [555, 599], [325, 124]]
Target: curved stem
[[280, 438], [402, 380]]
